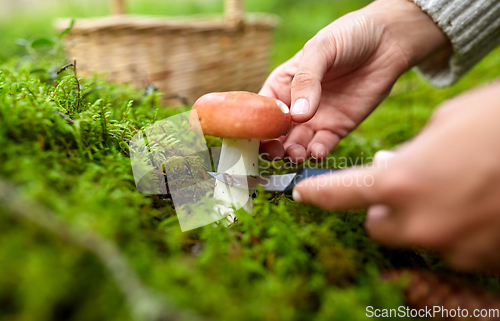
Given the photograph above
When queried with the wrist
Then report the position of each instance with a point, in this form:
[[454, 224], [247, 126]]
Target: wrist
[[411, 30]]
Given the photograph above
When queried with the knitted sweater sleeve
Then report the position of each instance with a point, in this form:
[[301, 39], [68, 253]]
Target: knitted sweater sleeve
[[473, 28]]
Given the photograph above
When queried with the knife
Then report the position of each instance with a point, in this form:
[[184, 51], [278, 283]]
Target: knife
[[274, 183]]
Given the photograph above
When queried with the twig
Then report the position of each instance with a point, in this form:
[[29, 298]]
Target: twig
[[78, 87], [116, 136], [71, 121], [32, 93], [64, 67], [144, 302], [73, 64], [104, 127]]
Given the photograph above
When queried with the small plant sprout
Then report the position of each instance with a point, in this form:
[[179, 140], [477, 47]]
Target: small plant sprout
[[242, 119]]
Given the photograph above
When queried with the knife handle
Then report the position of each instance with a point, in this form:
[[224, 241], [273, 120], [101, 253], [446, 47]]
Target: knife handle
[[304, 173]]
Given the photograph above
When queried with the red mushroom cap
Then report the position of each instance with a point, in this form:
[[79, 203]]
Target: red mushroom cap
[[241, 115]]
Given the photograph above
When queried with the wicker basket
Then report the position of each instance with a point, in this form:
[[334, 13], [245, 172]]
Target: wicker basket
[[184, 57]]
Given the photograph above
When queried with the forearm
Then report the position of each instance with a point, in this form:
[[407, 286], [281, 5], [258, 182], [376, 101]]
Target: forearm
[[443, 38], [473, 27], [411, 30]]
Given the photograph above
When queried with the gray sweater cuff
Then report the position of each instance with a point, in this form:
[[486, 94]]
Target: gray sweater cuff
[[473, 27]]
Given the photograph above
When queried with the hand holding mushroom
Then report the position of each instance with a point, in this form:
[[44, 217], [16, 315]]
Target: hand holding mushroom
[[242, 119], [345, 71]]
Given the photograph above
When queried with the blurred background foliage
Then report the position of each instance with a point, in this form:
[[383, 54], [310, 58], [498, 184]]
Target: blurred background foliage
[[66, 182]]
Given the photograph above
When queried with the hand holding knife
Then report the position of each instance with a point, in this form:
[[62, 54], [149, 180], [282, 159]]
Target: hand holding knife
[[273, 183]]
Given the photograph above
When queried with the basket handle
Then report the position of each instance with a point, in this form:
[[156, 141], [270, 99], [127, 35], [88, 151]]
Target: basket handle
[[233, 13], [118, 7]]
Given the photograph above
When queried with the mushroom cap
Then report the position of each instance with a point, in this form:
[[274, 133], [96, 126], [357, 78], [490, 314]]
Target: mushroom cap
[[241, 115]]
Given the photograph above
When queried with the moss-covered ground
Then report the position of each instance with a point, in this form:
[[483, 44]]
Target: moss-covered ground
[[79, 242]]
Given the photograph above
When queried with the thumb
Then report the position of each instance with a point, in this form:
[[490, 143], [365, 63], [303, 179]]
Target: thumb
[[344, 189], [306, 83]]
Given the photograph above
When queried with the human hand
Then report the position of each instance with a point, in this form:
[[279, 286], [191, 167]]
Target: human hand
[[345, 71], [441, 190]]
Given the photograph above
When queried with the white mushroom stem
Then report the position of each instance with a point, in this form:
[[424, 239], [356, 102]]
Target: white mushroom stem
[[238, 157]]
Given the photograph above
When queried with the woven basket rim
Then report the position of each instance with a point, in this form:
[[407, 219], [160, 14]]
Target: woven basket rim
[[193, 22]]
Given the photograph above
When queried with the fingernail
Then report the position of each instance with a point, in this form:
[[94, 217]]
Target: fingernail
[[319, 152], [382, 157], [377, 212], [296, 196], [384, 154], [300, 107]]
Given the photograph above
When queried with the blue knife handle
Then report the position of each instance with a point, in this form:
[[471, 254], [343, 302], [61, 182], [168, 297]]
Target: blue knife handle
[[304, 173]]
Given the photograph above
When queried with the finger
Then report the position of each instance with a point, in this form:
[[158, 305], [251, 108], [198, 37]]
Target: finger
[[387, 226], [380, 223], [346, 189], [296, 143], [477, 251], [272, 149], [403, 227], [301, 135], [306, 83], [296, 154], [468, 256], [322, 144], [278, 84], [267, 91]]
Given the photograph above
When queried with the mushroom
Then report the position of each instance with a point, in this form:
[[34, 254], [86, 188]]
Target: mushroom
[[242, 119]]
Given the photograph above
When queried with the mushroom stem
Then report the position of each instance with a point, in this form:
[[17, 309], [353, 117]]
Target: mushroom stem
[[238, 157]]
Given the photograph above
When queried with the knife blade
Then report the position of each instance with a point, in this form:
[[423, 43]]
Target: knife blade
[[274, 183]]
